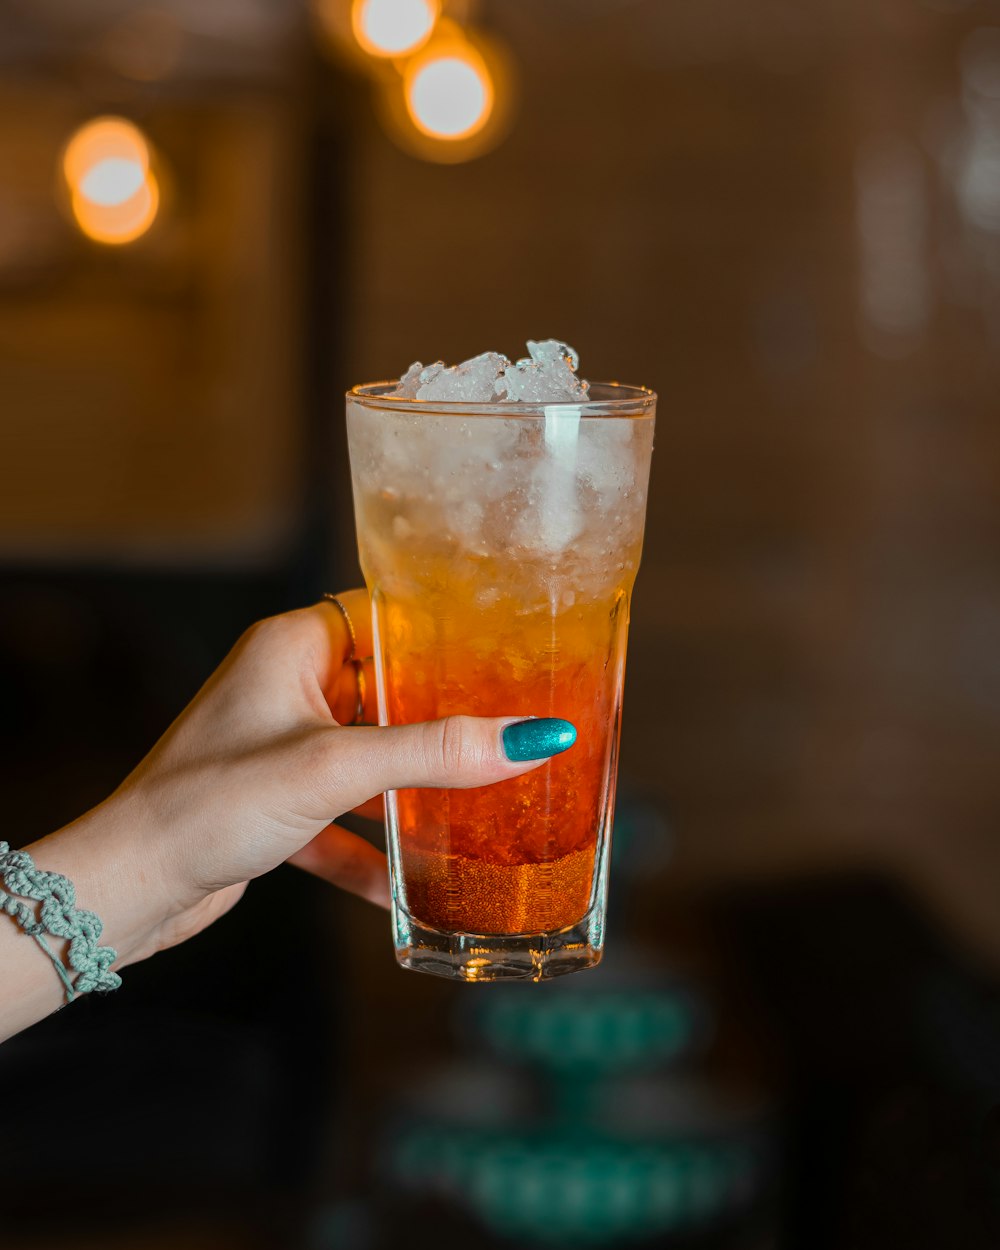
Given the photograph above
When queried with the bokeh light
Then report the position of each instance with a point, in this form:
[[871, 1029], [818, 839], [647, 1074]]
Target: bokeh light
[[114, 194], [450, 96], [455, 100], [119, 223], [112, 181], [101, 140], [393, 27]]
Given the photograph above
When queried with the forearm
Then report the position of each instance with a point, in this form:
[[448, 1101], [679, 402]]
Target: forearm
[[127, 895]]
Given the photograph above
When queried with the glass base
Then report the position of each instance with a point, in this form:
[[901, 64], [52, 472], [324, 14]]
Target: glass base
[[499, 956]]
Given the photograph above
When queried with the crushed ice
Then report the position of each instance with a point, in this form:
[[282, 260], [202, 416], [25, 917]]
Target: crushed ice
[[547, 375]]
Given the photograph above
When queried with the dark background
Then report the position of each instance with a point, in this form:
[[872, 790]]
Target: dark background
[[785, 218]]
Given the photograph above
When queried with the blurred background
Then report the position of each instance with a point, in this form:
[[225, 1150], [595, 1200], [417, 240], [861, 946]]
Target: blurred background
[[784, 217]]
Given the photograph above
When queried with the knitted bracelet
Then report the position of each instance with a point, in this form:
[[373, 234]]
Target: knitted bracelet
[[60, 917]]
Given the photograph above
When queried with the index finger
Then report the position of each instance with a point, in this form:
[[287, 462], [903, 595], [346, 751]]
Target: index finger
[[349, 636], [355, 616]]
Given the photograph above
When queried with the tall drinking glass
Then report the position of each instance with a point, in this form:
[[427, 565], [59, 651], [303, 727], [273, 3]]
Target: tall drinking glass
[[500, 543]]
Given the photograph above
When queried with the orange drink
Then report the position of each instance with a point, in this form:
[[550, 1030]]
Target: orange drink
[[500, 544]]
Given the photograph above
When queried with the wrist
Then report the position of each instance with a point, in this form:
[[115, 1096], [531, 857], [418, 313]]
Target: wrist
[[116, 870]]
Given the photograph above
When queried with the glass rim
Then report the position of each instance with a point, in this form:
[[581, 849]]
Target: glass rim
[[605, 399]]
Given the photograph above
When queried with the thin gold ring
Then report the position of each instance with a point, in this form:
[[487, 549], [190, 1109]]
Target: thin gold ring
[[359, 707], [348, 622]]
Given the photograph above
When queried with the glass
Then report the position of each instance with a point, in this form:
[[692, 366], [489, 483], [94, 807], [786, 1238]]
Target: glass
[[500, 543]]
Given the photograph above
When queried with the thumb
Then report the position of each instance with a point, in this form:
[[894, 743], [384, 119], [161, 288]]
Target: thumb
[[455, 753]]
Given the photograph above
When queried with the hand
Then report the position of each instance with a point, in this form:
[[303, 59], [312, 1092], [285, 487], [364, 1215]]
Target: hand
[[255, 769]]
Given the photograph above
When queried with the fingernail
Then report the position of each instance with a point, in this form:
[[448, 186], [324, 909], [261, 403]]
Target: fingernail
[[537, 739]]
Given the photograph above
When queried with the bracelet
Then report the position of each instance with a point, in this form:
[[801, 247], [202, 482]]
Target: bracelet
[[60, 917]]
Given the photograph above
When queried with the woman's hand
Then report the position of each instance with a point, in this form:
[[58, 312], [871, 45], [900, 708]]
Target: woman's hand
[[252, 774]]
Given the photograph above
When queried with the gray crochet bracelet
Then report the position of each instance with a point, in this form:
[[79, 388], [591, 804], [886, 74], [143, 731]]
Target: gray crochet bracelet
[[60, 917]]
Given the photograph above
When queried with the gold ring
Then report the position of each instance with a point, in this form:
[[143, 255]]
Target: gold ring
[[359, 707], [328, 598]]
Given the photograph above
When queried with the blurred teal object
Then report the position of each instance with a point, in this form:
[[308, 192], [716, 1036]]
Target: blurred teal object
[[626, 1015], [600, 1030], [544, 1182]]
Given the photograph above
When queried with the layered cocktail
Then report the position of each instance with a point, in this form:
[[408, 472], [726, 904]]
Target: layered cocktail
[[500, 540]]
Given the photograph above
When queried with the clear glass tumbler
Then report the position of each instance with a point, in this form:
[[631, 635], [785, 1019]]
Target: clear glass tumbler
[[500, 543]]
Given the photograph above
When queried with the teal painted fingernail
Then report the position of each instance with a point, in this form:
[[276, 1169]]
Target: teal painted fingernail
[[537, 739]]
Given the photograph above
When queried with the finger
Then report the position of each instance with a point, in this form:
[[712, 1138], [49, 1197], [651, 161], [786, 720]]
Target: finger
[[348, 861], [354, 693], [355, 638], [347, 766], [346, 699], [372, 809]]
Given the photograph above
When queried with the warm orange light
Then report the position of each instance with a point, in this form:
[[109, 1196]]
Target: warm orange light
[[113, 192], [118, 223], [393, 27], [454, 100], [449, 94], [100, 140]]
